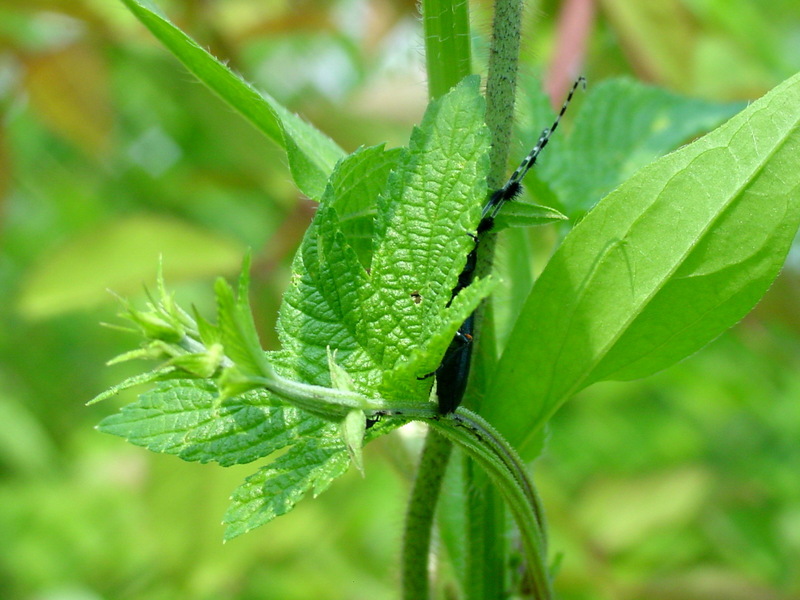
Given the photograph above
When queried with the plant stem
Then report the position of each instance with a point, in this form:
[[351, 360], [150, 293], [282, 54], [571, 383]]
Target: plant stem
[[507, 471], [486, 554], [448, 60], [501, 84], [420, 513], [448, 57]]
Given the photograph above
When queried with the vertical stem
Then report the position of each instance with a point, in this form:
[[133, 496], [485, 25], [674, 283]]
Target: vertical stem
[[448, 60], [448, 57], [487, 545], [419, 516], [501, 84], [486, 575]]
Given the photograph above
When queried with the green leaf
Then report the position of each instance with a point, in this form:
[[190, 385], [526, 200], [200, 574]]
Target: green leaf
[[355, 186], [425, 359], [424, 224], [525, 214], [120, 256], [158, 374], [236, 326], [310, 465], [353, 428], [311, 153], [185, 418], [371, 311], [426, 210], [665, 263], [621, 126], [374, 319]]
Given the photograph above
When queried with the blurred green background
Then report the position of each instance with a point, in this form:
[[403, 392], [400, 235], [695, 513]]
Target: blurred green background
[[683, 486]]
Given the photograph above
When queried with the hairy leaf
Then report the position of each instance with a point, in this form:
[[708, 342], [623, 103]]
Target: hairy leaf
[[621, 126], [370, 301], [273, 490], [185, 418], [426, 210], [311, 153]]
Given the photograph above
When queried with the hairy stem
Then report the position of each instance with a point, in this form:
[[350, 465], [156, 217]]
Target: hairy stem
[[501, 84], [420, 513], [448, 60], [487, 552]]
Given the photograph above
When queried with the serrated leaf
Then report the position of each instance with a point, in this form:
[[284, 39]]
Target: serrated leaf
[[421, 235], [665, 263], [425, 214], [185, 418], [424, 223], [158, 374], [237, 328], [426, 358], [357, 184], [621, 126], [310, 465], [311, 153]]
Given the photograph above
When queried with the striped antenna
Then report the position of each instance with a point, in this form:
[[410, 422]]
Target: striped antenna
[[513, 186]]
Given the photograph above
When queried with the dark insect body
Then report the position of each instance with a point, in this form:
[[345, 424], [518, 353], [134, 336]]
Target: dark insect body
[[453, 372]]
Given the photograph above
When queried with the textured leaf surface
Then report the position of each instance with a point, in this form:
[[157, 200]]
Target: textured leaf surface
[[274, 490], [374, 311], [426, 209], [311, 153], [619, 127], [370, 292], [185, 418], [358, 182], [665, 263]]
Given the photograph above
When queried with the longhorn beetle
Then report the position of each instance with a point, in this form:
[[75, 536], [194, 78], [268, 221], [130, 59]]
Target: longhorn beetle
[[453, 372]]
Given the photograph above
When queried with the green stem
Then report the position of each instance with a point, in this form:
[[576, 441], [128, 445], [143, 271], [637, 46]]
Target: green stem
[[501, 84], [448, 60], [506, 469], [487, 552], [420, 513], [448, 57], [501, 463]]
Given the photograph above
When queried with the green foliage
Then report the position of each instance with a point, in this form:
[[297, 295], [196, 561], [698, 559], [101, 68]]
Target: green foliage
[[311, 154], [111, 156], [388, 323], [664, 264], [49, 293], [395, 307], [369, 311], [623, 126]]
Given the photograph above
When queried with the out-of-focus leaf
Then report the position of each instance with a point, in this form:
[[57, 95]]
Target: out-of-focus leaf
[[621, 126], [120, 256], [69, 91], [619, 515], [659, 38], [312, 155]]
